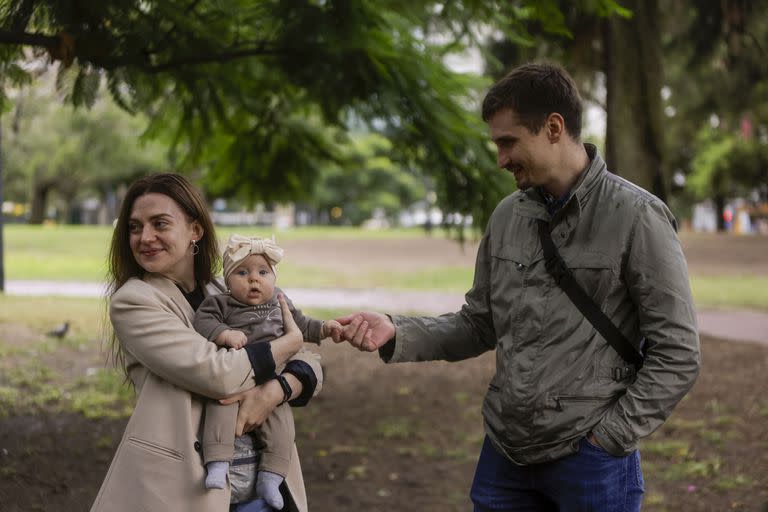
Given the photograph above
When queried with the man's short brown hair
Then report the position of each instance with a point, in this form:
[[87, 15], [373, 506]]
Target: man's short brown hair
[[533, 91]]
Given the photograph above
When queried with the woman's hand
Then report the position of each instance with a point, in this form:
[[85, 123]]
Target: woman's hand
[[289, 324], [284, 347], [256, 405]]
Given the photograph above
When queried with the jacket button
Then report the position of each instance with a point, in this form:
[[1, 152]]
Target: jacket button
[[520, 267], [198, 446]]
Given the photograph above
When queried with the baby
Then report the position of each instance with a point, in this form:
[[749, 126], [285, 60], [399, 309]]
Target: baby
[[250, 313]]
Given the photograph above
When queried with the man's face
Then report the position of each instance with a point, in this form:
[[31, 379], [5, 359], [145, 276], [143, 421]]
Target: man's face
[[528, 156]]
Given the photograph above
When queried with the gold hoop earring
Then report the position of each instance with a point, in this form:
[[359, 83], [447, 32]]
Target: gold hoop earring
[[195, 248]]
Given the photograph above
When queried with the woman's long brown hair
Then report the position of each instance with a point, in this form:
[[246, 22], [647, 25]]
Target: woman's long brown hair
[[122, 266]]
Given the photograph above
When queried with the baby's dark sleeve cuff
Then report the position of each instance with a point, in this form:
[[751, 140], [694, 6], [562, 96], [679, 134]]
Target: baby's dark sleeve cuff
[[262, 361]]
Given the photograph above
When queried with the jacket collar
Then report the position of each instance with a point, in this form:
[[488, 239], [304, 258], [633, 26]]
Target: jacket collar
[[595, 170], [169, 288], [584, 185]]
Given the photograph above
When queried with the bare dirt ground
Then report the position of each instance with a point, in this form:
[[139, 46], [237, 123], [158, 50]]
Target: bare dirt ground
[[405, 437], [718, 254], [724, 254], [394, 254]]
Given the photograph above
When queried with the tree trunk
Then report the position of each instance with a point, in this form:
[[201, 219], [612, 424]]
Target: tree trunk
[[39, 203], [719, 201], [634, 76]]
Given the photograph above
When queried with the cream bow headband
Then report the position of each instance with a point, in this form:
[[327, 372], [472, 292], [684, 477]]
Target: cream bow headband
[[240, 247]]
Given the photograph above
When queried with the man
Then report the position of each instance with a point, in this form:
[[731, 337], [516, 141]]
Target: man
[[564, 412]]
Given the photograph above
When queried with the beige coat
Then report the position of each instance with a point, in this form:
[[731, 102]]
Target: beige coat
[[158, 465]]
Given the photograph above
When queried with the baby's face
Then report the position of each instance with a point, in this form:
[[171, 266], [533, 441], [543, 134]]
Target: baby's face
[[252, 282]]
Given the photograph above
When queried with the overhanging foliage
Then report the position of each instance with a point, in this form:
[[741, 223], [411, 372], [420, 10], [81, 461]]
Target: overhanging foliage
[[246, 91]]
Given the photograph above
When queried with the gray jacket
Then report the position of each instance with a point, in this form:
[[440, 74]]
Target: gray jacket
[[554, 378]]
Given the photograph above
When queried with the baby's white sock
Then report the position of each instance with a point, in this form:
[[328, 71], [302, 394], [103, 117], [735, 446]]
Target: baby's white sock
[[268, 487], [217, 474]]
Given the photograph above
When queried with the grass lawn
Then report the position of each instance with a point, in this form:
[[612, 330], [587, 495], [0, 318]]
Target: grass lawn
[[70, 374], [78, 253], [62, 253], [730, 291]]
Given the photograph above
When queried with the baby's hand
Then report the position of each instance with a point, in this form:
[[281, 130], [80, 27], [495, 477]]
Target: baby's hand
[[231, 338], [333, 329]]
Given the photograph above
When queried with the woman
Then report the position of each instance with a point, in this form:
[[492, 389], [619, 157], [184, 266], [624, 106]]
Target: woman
[[162, 258]]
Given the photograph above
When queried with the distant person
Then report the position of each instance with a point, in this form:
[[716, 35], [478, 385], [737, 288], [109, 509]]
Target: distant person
[[161, 266], [564, 410], [250, 313]]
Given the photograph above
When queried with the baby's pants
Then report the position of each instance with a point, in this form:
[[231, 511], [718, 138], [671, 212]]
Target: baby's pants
[[278, 433]]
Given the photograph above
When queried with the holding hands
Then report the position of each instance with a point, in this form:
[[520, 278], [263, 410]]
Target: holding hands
[[366, 330], [331, 329]]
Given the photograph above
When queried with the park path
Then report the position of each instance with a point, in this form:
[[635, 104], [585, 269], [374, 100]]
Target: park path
[[737, 325]]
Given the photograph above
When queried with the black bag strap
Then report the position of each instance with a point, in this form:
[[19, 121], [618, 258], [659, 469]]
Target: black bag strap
[[591, 311]]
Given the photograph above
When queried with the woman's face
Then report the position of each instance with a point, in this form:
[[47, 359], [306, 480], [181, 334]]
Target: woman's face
[[161, 236]]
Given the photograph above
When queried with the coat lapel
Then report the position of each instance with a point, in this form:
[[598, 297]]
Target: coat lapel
[[170, 290]]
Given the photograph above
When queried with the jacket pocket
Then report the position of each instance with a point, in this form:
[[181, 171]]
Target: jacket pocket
[[567, 415], [518, 256], [595, 273], [155, 448]]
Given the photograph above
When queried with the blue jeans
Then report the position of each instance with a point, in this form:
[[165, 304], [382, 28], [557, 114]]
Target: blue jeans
[[590, 480]]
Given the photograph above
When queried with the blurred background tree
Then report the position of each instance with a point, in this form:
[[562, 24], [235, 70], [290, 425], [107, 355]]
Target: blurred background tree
[[265, 101], [664, 74], [243, 91], [716, 101], [617, 63], [371, 183], [57, 155]]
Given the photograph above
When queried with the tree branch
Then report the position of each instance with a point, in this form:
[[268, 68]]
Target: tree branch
[[756, 42], [140, 61], [191, 7], [226, 56], [27, 39]]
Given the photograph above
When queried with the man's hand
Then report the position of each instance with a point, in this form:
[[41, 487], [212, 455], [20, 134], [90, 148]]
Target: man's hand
[[366, 330], [231, 338]]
